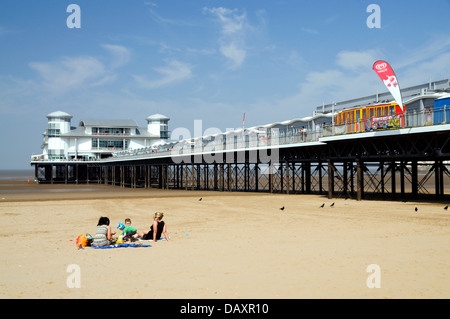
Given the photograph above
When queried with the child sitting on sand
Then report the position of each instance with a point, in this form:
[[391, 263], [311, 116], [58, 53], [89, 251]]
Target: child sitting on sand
[[128, 232]]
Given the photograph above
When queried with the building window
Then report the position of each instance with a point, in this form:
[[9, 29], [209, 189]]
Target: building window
[[164, 134], [111, 131], [158, 122], [54, 119], [104, 144], [59, 119], [53, 132], [55, 154]]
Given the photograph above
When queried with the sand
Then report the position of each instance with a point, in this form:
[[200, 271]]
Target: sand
[[229, 245]]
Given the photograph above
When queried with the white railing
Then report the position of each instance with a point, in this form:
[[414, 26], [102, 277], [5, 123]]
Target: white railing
[[280, 137], [274, 137]]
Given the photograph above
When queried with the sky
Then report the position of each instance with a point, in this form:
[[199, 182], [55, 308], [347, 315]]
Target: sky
[[203, 60]]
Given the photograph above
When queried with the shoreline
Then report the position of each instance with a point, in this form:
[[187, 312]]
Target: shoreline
[[18, 189]]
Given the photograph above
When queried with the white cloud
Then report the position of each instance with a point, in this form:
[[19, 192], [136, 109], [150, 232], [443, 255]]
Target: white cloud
[[151, 4], [85, 71], [352, 77], [309, 30], [356, 60], [174, 71], [110, 78], [120, 55], [437, 68], [231, 22], [233, 52], [165, 21], [430, 49], [327, 86], [69, 72], [234, 28]]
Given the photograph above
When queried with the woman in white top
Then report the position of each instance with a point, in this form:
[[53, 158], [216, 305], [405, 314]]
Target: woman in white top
[[103, 235]]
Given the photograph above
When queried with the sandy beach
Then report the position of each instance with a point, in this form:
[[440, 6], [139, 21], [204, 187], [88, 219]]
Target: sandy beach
[[228, 245]]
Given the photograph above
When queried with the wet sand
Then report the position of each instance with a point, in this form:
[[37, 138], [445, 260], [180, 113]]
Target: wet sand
[[228, 245]]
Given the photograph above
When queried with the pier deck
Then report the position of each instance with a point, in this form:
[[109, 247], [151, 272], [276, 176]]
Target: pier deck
[[401, 164]]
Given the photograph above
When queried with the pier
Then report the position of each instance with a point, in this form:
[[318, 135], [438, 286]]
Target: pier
[[408, 163]]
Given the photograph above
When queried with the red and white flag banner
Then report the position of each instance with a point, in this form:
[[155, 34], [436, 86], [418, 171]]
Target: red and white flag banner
[[387, 75]]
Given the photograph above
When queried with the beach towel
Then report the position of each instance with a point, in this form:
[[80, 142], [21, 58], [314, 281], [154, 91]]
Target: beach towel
[[121, 245], [148, 240]]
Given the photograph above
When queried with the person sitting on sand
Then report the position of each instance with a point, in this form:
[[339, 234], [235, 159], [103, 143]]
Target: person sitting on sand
[[128, 232], [103, 235], [159, 226]]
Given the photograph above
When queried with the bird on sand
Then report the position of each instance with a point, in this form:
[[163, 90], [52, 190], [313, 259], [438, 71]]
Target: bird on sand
[[416, 209], [321, 206], [200, 199], [282, 208], [446, 207], [332, 205]]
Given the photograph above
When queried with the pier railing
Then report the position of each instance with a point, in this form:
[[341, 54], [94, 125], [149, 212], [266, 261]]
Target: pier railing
[[274, 137], [247, 139]]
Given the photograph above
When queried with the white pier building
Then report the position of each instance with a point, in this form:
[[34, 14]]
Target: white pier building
[[94, 139]]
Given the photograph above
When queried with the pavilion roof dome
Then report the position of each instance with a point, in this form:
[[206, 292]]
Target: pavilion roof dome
[[59, 114], [157, 116]]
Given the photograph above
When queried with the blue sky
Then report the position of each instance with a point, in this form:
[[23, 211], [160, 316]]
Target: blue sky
[[203, 60]]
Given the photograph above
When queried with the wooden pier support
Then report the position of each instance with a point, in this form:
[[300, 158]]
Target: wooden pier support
[[394, 179], [331, 169], [359, 180]]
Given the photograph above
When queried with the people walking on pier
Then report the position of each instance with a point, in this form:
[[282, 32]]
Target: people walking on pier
[[303, 133]]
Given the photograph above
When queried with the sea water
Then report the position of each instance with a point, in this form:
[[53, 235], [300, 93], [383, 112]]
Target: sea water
[[17, 174]]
